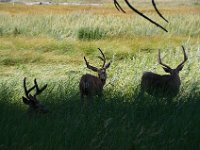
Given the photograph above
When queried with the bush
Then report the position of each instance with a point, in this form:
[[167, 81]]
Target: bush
[[86, 33]]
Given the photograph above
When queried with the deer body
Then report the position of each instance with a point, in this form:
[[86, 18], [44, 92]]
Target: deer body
[[163, 85], [160, 85], [91, 85]]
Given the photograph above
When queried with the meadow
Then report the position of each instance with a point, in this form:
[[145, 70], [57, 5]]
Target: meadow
[[49, 42]]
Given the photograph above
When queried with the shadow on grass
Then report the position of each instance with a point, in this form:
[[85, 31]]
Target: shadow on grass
[[117, 123]]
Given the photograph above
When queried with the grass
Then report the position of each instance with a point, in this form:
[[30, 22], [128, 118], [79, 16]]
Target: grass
[[48, 46]]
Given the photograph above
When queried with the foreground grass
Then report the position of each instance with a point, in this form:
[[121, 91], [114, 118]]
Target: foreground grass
[[48, 47], [118, 123], [119, 120]]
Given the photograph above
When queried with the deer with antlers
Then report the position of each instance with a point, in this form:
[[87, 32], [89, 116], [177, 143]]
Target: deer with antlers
[[91, 85], [31, 100], [163, 85]]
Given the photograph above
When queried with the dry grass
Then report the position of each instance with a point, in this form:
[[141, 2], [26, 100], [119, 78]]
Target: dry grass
[[104, 10]]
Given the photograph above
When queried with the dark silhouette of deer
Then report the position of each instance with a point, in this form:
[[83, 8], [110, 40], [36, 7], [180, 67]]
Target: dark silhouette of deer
[[31, 100], [163, 85], [91, 85], [119, 8]]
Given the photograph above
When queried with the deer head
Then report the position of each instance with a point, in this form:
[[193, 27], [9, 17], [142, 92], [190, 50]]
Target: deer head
[[32, 100], [101, 71], [175, 71], [119, 8]]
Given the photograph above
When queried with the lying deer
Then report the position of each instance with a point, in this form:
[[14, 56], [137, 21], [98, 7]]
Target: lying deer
[[163, 85], [91, 85], [32, 101]]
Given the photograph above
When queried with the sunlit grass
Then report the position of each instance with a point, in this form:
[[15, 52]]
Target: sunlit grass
[[183, 22], [23, 50]]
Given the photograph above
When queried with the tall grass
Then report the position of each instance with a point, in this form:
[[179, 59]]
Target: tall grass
[[90, 34], [51, 46], [73, 25], [119, 120]]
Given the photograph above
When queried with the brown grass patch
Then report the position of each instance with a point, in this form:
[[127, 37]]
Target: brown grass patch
[[104, 10]]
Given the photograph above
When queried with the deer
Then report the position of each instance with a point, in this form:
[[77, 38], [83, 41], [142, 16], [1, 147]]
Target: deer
[[120, 9], [163, 85], [91, 85], [31, 100]]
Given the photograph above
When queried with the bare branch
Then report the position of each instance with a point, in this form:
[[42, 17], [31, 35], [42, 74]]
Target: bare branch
[[119, 8], [155, 7], [139, 13]]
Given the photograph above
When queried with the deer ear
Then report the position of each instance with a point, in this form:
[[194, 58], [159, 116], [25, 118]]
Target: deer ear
[[107, 65], [167, 69], [179, 68], [25, 100]]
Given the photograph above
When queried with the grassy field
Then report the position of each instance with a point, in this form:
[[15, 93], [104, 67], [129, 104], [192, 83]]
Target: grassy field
[[49, 42]]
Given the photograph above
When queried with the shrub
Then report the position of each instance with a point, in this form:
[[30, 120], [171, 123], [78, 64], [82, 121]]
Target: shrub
[[86, 33]]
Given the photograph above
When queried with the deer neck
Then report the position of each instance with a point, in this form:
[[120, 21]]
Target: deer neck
[[176, 78], [103, 81]]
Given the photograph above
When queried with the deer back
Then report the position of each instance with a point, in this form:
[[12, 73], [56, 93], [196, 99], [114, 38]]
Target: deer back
[[90, 85], [160, 85]]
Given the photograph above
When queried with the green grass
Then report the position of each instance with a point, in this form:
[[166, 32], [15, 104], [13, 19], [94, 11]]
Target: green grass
[[76, 24], [90, 34], [49, 47], [121, 120]]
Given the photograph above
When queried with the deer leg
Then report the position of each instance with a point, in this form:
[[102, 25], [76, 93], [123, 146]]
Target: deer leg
[[140, 94], [100, 97], [100, 94], [82, 98]]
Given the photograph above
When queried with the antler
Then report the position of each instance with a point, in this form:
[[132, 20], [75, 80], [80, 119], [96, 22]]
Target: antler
[[38, 91], [185, 58], [89, 66], [25, 89], [102, 58], [141, 14], [160, 62]]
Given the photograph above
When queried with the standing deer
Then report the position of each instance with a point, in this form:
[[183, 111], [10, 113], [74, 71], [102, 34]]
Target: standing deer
[[163, 85], [32, 101], [91, 85]]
